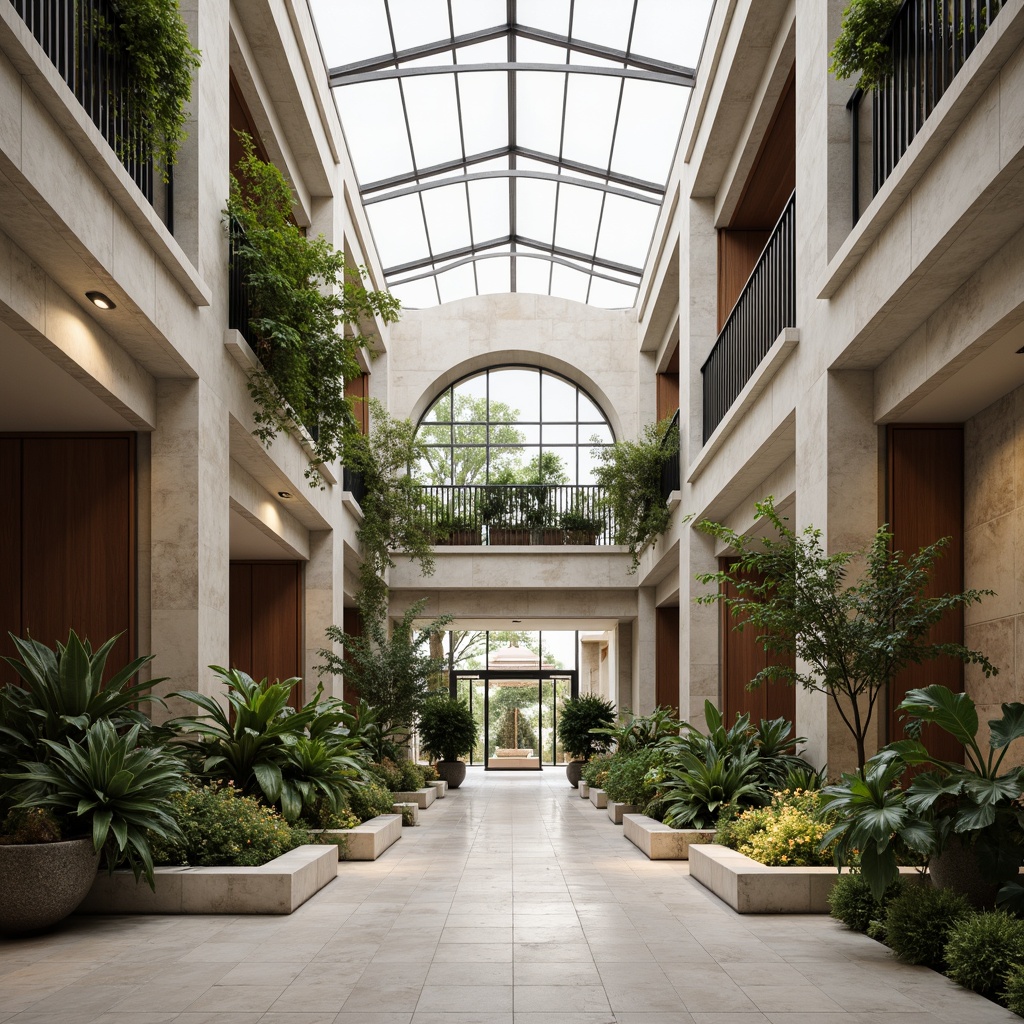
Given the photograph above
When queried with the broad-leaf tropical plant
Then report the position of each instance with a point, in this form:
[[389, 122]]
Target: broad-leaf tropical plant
[[581, 724], [697, 788]]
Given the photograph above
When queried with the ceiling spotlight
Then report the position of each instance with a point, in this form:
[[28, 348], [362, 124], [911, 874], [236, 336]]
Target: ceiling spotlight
[[515, 622], [101, 300], [1020, 351], [285, 494]]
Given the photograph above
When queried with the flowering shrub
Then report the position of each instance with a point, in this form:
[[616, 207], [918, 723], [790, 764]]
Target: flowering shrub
[[787, 832], [595, 771], [430, 773], [219, 827], [370, 800]]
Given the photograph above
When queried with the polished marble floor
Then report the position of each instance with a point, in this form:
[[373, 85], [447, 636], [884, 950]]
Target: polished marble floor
[[514, 902]]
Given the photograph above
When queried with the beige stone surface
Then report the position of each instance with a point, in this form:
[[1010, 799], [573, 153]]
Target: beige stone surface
[[598, 797], [659, 841]]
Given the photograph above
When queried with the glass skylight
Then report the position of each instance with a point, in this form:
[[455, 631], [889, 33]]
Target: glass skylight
[[509, 176]]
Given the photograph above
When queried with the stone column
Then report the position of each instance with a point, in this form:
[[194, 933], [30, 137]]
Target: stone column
[[644, 653], [189, 557], [324, 607], [699, 641]]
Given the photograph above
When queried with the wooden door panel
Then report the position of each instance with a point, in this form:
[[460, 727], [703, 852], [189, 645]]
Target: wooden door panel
[[10, 552], [666, 658]]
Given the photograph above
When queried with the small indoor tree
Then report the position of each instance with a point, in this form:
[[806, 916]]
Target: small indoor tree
[[849, 638], [578, 717]]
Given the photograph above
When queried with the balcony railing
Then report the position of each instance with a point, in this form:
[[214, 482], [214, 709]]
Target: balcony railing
[[497, 514], [670, 478], [82, 40], [765, 307], [930, 42], [240, 310]]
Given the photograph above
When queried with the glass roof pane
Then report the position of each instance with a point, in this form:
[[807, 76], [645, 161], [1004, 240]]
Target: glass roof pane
[[609, 295], [492, 276], [484, 99], [539, 110], [473, 15], [457, 283], [536, 207], [569, 284], [605, 21], [530, 51], [642, 149], [590, 108], [489, 205], [532, 275], [415, 22], [398, 230], [416, 294], [577, 214], [489, 52], [447, 218], [626, 229], [551, 15], [433, 118], [669, 30], [376, 155], [345, 39]]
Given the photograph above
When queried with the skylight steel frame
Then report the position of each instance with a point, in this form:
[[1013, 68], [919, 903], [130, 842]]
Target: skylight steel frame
[[393, 66]]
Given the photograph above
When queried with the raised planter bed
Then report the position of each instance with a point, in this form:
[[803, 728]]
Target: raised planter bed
[[407, 810], [617, 810], [422, 798], [584, 790], [277, 887], [369, 840], [660, 841], [752, 888], [440, 787], [599, 798]]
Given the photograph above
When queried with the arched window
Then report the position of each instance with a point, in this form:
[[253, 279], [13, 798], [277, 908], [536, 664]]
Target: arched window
[[511, 425]]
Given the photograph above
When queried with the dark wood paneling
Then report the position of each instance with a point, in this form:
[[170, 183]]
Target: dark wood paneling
[[668, 394], [78, 540], [666, 658], [358, 389], [742, 658], [738, 253], [924, 501], [265, 616], [240, 120], [10, 551]]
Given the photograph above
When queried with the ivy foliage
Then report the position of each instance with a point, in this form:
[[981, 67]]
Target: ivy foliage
[[306, 307], [629, 472], [160, 63], [863, 45]]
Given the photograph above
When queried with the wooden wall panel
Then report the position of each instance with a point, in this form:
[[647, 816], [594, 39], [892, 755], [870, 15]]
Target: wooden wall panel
[[666, 658], [738, 253], [924, 501], [358, 389], [265, 620], [742, 658], [668, 394], [78, 540], [10, 552]]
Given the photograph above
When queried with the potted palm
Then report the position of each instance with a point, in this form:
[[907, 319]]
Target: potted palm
[[81, 776], [447, 733], [578, 717]]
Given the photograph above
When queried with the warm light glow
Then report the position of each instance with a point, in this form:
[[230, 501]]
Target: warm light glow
[[101, 300]]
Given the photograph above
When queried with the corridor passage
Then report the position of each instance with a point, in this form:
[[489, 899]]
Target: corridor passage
[[514, 902]]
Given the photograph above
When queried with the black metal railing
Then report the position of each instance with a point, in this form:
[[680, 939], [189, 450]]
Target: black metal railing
[[82, 40], [930, 42], [670, 478], [239, 294], [766, 305], [497, 514], [353, 482]]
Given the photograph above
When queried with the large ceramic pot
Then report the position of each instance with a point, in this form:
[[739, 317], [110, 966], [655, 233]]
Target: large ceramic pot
[[573, 772], [956, 868], [453, 772], [44, 882]]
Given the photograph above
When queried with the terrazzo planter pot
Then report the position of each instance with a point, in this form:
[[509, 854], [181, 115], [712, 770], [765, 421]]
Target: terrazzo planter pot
[[453, 772], [43, 883], [573, 772]]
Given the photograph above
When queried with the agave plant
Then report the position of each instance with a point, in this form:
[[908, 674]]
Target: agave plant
[[697, 788], [112, 787], [636, 732]]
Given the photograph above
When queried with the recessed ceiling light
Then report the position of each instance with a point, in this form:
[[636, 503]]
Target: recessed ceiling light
[[285, 494], [516, 621], [1020, 351], [101, 300]]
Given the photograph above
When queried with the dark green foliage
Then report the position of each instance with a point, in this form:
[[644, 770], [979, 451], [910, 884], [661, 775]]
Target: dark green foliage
[[635, 732], [1012, 995], [983, 949], [307, 306], [412, 776], [577, 717], [630, 474], [398, 776], [697, 788], [852, 902], [515, 731], [24, 825], [370, 800], [595, 770], [919, 920], [219, 827], [446, 727], [628, 780], [862, 46], [848, 640]]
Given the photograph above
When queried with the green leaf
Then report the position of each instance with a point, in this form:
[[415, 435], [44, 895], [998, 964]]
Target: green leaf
[[878, 865], [1003, 731], [269, 777], [101, 828], [953, 712]]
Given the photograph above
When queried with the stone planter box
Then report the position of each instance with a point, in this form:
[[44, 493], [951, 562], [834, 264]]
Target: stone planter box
[[277, 887], [584, 790], [599, 798], [752, 888], [659, 841], [369, 840], [407, 808], [617, 810], [422, 798], [440, 787]]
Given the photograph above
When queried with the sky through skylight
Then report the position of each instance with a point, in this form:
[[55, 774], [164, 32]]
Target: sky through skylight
[[497, 180]]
